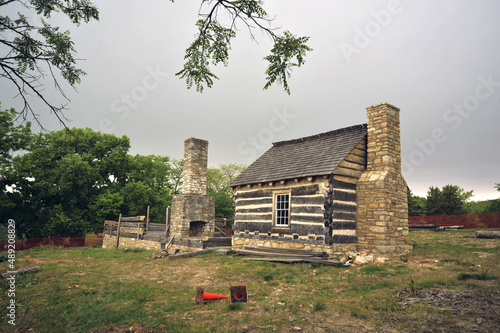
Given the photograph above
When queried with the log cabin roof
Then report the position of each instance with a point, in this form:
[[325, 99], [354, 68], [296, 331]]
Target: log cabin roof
[[314, 155]]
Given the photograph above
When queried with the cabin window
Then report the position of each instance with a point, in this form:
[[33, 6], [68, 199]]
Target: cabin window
[[282, 209]]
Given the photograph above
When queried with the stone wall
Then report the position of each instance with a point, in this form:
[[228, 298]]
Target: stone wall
[[382, 210], [335, 251], [109, 242]]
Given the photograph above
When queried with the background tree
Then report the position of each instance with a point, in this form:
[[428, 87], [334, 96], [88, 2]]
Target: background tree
[[67, 183], [450, 200], [416, 204], [494, 205], [13, 139], [152, 180], [218, 180], [60, 178]]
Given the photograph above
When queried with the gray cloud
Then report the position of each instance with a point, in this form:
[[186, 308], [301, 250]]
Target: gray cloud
[[424, 57]]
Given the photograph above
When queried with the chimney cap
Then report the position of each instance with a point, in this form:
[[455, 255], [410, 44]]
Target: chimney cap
[[383, 103]]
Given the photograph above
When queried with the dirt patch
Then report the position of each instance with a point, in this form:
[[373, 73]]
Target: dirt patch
[[464, 310], [135, 328]]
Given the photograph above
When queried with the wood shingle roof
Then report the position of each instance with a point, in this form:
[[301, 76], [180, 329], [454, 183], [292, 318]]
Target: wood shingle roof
[[309, 156]]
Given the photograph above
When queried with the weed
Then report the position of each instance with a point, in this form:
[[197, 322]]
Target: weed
[[319, 306], [412, 287], [26, 280], [375, 270], [358, 312], [476, 276], [266, 276], [234, 306], [133, 250]]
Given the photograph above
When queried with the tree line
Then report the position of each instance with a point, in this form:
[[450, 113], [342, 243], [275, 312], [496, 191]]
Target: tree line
[[450, 200], [66, 183]]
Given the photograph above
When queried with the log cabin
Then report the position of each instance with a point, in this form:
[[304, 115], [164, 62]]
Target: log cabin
[[339, 192]]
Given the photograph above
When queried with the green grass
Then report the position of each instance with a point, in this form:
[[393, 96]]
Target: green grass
[[90, 289]]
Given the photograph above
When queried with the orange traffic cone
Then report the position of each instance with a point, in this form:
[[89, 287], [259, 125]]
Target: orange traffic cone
[[202, 296]]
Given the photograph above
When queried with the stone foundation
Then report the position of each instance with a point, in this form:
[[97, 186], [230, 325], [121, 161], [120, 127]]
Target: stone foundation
[[335, 251], [109, 242]]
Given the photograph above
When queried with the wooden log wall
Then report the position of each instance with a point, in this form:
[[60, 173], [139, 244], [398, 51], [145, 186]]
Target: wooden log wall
[[254, 209], [343, 182], [127, 229]]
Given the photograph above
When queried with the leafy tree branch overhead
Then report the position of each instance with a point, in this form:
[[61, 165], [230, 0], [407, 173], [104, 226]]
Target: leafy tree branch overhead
[[213, 42], [31, 53]]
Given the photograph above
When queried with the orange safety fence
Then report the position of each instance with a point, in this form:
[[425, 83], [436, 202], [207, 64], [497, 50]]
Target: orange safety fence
[[28, 243]]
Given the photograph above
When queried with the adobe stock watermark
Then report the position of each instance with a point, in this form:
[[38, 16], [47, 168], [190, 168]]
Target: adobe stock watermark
[[254, 145], [11, 280], [453, 117], [372, 29], [127, 102]]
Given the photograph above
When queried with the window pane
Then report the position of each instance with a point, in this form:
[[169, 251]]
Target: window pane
[[282, 205]]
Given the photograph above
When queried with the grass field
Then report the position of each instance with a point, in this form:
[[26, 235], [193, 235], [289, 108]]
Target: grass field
[[449, 284]]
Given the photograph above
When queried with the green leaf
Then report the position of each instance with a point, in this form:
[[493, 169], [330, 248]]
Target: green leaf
[[288, 52]]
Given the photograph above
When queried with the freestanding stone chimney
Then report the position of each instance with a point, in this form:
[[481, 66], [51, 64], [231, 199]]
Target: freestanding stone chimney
[[193, 213], [194, 174], [382, 209]]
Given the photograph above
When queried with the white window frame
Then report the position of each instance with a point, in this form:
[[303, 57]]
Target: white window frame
[[281, 209]]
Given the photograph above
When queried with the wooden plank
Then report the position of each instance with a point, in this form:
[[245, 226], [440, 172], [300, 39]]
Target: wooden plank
[[118, 231], [347, 172], [133, 218], [264, 254], [346, 179], [190, 254], [169, 242], [356, 159], [147, 220], [33, 269], [351, 165], [276, 250], [298, 260], [359, 152], [223, 232], [487, 234]]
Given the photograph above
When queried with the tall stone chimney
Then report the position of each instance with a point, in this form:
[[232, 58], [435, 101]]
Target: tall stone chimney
[[382, 208], [194, 175], [193, 213]]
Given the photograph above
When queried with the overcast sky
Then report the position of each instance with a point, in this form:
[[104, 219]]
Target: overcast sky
[[438, 61]]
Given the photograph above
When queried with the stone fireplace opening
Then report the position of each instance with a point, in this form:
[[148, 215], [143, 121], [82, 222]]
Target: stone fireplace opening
[[196, 228]]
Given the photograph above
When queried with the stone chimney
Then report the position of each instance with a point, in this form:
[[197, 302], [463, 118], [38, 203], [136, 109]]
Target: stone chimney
[[193, 213], [382, 208], [194, 174]]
